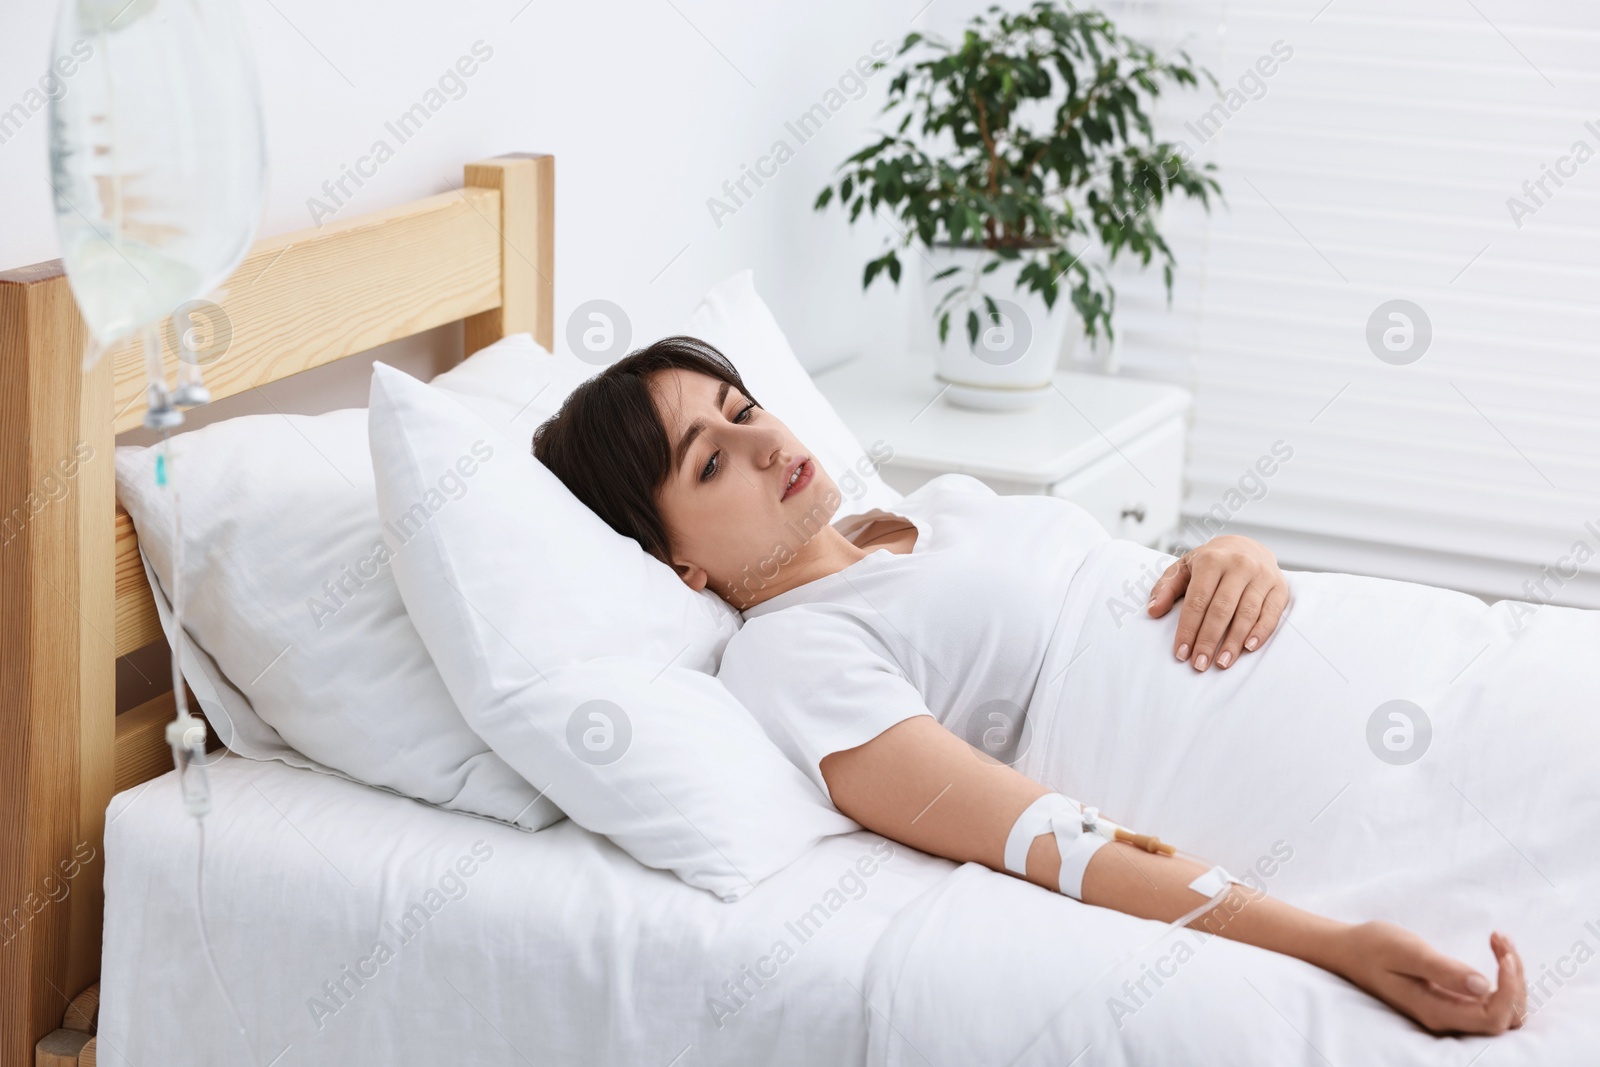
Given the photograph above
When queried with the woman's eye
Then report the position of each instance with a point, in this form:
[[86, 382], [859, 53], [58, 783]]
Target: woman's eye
[[714, 463]]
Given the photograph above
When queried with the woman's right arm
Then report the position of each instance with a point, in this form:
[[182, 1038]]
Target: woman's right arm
[[923, 786]]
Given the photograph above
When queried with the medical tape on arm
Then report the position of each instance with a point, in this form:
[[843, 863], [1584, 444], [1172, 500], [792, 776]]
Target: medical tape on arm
[[1079, 834], [1214, 882], [1214, 885]]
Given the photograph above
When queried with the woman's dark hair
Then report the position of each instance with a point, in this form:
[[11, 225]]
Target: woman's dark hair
[[608, 446]]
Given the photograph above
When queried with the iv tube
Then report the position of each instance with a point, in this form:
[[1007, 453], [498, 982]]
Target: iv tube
[[186, 734]]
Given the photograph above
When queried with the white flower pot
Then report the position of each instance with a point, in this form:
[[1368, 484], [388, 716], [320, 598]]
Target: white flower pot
[[1016, 354]]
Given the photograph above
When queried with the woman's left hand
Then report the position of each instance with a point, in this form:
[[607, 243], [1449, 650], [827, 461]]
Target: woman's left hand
[[1444, 995], [1233, 594]]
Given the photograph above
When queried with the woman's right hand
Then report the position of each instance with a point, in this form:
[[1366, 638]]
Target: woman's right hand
[[1446, 996]]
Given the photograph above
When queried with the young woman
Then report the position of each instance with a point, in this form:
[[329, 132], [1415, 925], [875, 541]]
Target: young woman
[[669, 448]]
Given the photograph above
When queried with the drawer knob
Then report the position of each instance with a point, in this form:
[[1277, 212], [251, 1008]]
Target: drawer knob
[[1136, 513]]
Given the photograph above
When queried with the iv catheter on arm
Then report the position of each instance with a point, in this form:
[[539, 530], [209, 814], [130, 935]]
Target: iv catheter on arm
[[920, 784]]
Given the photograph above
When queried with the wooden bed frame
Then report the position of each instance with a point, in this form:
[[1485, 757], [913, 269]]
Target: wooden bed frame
[[73, 595]]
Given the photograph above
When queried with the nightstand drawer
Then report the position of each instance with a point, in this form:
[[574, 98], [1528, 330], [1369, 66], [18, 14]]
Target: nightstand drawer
[[1134, 493]]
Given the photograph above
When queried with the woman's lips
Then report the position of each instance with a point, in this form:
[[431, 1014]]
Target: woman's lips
[[807, 471]]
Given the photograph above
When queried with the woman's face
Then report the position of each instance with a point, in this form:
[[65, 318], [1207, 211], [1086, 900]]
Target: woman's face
[[742, 496]]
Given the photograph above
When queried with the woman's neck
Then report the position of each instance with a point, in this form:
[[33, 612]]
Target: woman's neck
[[827, 552]]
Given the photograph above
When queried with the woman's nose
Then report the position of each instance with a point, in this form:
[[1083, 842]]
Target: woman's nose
[[765, 446]]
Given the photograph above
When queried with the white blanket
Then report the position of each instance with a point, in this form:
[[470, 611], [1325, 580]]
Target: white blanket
[[1290, 770], [501, 947]]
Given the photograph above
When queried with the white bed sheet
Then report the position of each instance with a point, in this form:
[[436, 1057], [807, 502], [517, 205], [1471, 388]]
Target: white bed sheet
[[558, 948]]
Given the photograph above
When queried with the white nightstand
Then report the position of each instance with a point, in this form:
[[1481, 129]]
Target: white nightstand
[[1114, 446]]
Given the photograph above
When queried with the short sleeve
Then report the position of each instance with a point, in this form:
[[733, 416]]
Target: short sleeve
[[818, 682]]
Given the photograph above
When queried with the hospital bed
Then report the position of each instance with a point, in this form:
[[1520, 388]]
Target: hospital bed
[[557, 947]]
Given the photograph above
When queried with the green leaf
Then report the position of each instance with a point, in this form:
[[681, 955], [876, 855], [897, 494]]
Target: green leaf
[[1032, 128]]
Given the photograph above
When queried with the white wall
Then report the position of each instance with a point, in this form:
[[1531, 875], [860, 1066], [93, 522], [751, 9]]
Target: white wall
[[648, 105]]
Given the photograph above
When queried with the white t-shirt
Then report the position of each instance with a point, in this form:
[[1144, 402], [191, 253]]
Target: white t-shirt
[[956, 628]]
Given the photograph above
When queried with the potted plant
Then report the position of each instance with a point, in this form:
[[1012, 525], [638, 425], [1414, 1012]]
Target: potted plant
[[1017, 148]]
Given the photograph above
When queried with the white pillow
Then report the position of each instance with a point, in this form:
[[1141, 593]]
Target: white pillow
[[578, 656], [734, 319], [332, 679]]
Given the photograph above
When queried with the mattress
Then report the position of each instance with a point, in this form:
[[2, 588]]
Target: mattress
[[352, 925]]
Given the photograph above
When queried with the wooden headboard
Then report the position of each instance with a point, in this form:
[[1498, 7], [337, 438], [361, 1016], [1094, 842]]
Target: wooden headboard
[[73, 595]]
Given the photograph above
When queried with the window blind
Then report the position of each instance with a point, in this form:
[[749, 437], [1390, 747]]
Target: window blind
[[1400, 290]]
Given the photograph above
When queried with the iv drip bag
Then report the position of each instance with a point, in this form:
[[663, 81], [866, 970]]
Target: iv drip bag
[[157, 156]]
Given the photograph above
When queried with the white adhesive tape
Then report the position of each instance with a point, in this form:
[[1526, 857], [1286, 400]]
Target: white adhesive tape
[[1213, 882], [1075, 854], [1034, 820], [1054, 813]]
